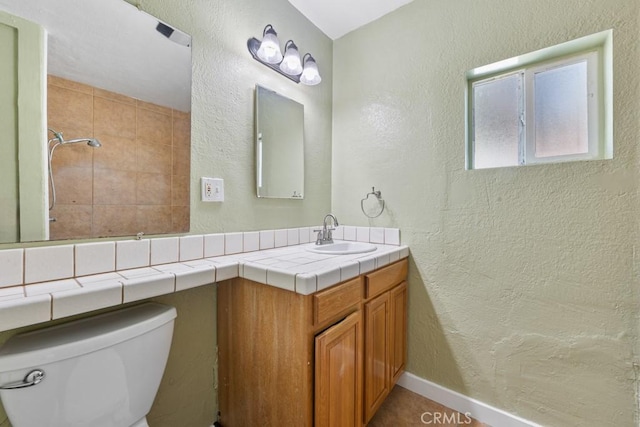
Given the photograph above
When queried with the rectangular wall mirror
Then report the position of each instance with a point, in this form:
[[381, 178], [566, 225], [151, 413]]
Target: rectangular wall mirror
[[113, 146], [279, 146]]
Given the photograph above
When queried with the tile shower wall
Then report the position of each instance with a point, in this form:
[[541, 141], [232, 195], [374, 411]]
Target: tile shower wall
[[138, 181]]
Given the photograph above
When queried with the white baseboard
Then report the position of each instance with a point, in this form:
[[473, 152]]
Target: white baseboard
[[451, 399]]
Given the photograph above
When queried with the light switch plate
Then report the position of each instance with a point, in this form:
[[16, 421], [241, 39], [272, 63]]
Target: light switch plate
[[212, 189]]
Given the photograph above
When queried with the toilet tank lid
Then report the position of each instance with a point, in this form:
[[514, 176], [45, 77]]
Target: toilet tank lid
[[82, 336]]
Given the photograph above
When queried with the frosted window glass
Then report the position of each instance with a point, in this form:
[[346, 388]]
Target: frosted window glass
[[561, 114], [496, 117]]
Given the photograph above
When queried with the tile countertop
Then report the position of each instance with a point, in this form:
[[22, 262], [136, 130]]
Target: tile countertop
[[292, 268]]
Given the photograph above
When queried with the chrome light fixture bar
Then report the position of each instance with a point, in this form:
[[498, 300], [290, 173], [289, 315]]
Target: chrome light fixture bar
[[268, 53]]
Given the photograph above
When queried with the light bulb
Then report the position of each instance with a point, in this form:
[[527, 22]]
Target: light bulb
[[310, 75], [291, 63], [269, 50]]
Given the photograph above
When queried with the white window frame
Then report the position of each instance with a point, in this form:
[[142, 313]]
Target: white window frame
[[596, 50], [593, 110]]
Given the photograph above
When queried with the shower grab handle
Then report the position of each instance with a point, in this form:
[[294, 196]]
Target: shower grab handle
[[34, 377]]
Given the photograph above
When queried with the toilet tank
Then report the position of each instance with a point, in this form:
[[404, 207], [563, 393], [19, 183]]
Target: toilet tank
[[101, 371]]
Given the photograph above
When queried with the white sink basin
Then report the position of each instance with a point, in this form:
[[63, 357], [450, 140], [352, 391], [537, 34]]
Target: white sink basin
[[343, 248]]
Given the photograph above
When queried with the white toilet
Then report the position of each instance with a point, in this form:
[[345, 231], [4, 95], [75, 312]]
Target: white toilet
[[102, 371]]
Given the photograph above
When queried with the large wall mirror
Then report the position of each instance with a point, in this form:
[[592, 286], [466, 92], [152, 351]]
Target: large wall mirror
[[279, 146], [112, 146]]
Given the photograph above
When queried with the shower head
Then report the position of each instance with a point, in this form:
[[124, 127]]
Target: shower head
[[91, 142], [59, 140]]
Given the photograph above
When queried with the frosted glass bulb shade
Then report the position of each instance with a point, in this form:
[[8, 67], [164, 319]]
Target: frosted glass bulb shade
[[291, 63], [310, 75], [269, 50]]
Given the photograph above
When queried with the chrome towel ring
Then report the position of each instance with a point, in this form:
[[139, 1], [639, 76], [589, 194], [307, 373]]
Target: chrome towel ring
[[380, 200]]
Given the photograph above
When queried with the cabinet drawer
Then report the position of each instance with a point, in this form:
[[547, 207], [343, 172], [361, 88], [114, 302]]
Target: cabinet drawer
[[334, 301], [386, 278]]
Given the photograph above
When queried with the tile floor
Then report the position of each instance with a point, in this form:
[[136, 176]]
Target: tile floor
[[405, 408]]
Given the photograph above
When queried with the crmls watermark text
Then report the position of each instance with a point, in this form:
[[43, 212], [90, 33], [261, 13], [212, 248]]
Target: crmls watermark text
[[435, 418]]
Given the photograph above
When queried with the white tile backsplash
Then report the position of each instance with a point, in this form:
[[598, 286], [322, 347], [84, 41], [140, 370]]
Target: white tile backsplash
[[251, 241], [191, 247], [267, 239], [281, 238], [132, 254], [293, 236], [305, 235], [11, 266], [362, 234], [213, 245], [349, 233], [48, 263], [376, 235], [233, 243], [164, 250], [95, 258], [338, 233], [392, 236]]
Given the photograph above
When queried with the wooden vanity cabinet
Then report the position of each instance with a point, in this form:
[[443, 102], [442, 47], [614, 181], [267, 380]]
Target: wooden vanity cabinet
[[385, 313], [327, 359]]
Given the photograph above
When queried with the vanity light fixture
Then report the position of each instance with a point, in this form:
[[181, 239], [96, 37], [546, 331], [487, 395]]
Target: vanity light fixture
[[268, 53]]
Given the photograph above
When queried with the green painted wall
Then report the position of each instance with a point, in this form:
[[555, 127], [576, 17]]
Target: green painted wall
[[222, 138], [523, 292], [9, 214]]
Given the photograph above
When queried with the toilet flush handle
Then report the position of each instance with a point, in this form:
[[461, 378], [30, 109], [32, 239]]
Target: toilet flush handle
[[34, 377]]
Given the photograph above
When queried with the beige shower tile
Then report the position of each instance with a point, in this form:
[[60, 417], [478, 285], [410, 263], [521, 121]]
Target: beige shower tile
[[180, 190], [153, 107], [113, 96], [114, 187], [154, 219], [154, 127], [154, 158], [180, 219], [181, 130], [74, 186], [74, 155], [114, 220], [181, 161], [72, 221], [115, 153], [69, 84], [153, 189], [114, 118], [69, 109]]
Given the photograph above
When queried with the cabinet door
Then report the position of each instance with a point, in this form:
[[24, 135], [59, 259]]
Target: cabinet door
[[376, 355], [338, 389], [398, 328]]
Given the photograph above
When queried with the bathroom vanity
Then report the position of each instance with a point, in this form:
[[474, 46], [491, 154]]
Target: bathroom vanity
[[329, 358]]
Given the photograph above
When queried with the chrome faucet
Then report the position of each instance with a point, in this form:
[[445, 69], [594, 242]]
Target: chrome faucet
[[324, 235]]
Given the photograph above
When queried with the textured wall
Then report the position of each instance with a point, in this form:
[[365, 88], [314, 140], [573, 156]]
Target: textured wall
[[224, 79], [522, 286]]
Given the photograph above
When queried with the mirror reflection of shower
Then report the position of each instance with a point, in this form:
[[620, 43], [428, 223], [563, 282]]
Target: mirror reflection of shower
[[55, 142]]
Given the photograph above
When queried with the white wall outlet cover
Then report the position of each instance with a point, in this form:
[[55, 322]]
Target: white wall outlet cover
[[212, 189]]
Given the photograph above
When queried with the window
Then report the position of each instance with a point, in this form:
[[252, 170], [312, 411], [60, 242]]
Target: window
[[549, 106]]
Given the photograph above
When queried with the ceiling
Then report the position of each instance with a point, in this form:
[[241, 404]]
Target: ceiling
[[338, 17]]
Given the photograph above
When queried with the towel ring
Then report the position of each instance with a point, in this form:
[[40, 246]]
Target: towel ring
[[378, 196]]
